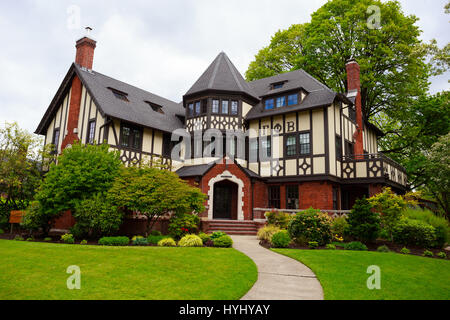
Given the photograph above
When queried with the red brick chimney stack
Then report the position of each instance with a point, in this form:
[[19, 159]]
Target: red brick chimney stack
[[354, 83], [85, 51]]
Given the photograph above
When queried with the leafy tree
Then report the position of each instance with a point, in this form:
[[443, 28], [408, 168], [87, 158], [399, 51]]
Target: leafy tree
[[391, 57], [390, 207], [154, 192], [81, 172], [363, 223], [20, 168], [438, 170]]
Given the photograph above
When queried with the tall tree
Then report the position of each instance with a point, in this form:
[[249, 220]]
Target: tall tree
[[383, 40]]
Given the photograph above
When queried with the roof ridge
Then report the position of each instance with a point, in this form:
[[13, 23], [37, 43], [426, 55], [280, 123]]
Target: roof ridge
[[233, 73]]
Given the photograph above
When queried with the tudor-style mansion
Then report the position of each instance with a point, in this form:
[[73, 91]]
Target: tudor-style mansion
[[304, 145]]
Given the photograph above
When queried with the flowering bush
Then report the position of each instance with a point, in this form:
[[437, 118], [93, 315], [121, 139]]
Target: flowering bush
[[311, 225], [279, 219], [183, 224]]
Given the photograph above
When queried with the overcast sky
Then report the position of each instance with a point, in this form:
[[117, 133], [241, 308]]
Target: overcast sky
[[159, 46]]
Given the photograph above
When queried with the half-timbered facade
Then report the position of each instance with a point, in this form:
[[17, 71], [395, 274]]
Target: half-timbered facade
[[294, 143]]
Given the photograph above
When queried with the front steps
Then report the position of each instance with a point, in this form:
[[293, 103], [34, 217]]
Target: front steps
[[233, 227]]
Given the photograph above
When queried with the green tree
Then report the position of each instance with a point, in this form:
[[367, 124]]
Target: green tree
[[81, 172], [154, 192], [21, 155], [363, 223], [392, 60]]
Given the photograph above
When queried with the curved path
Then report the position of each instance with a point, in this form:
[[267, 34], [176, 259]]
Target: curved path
[[279, 277]]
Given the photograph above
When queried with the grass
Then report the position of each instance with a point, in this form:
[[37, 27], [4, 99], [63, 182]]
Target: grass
[[31, 270], [343, 274]]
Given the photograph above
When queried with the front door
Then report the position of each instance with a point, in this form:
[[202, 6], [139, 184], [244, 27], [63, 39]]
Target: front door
[[222, 205]]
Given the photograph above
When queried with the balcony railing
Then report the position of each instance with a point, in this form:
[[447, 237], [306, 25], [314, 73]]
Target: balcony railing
[[373, 165]]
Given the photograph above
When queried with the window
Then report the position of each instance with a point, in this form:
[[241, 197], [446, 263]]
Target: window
[[338, 147], [292, 197], [215, 106], [225, 107], [281, 102], [155, 107], [191, 109], [266, 146], [119, 94], [91, 132], [277, 85], [335, 198], [55, 141], [234, 107], [131, 137], [348, 148], [269, 104], [274, 197], [352, 113], [291, 145], [304, 143], [168, 145], [204, 106], [197, 108], [253, 147], [292, 99]]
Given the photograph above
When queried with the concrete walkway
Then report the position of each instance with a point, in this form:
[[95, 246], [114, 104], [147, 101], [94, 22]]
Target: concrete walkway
[[279, 277]]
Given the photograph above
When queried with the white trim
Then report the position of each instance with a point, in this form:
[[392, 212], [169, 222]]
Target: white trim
[[226, 175]]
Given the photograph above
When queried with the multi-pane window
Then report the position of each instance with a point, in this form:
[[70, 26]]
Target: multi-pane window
[[234, 107], [292, 99], [274, 197], [304, 143], [348, 148], [91, 132], [281, 102], [338, 147], [204, 106], [269, 104], [352, 113], [191, 109], [253, 148], [292, 197], [55, 140], [335, 198], [197, 108], [291, 145], [266, 147], [119, 94], [215, 106], [131, 137], [225, 107], [278, 85]]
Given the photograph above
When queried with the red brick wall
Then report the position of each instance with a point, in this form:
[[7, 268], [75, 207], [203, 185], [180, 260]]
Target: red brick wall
[[354, 83], [65, 221], [260, 198], [74, 113], [374, 189], [316, 194], [85, 52]]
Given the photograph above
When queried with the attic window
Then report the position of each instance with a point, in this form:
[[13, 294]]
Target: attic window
[[119, 94], [155, 107], [278, 85]]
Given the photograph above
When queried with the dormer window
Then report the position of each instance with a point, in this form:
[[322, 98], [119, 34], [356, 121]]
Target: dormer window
[[119, 94], [292, 99], [269, 104], [155, 107], [278, 85]]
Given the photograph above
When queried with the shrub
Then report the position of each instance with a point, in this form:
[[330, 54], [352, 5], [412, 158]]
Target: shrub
[[167, 242], [405, 250], [266, 232], [356, 246], [114, 241], [414, 232], [68, 238], [338, 226], [191, 240], [83, 242], [30, 239], [383, 248], [139, 241], [34, 218], [18, 238], [217, 234], [183, 224], [280, 239], [311, 225], [155, 239], [313, 244], [1, 231], [384, 234], [205, 237], [155, 233], [223, 242], [427, 253], [442, 255], [48, 239], [440, 224], [279, 219], [330, 246], [363, 223]]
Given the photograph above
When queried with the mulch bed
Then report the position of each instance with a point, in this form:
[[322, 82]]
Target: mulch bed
[[414, 250]]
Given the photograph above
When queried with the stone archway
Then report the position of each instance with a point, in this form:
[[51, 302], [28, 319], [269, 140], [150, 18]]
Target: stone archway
[[226, 175]]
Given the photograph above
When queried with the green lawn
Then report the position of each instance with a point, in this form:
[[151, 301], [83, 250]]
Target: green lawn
[[403, 277], [31, 270]]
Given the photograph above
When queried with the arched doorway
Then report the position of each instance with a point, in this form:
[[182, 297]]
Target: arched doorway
[[225, 200]]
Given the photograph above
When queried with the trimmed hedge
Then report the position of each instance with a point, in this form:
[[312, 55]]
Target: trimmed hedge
[[414, 232], [281, 239], [114, 241], [223, 242]]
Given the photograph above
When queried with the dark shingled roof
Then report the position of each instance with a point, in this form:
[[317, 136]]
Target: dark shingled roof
[[318, 94], [193, 171], [222, 75], [136, 110]]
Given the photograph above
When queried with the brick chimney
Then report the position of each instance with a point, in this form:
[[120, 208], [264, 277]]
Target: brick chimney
[[354, 84], [85, 51], [84, 58]]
